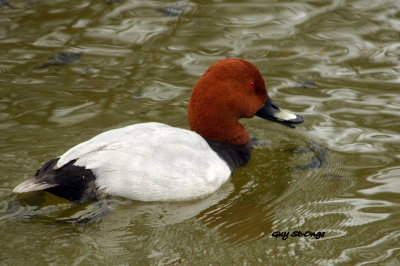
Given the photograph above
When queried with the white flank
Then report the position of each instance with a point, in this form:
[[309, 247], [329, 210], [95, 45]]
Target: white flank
[[151, 162]]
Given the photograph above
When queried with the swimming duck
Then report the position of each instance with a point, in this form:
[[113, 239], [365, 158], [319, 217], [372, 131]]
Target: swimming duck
[[157, 162]]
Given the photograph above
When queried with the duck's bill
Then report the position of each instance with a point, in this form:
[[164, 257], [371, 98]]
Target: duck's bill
[[270, 111]]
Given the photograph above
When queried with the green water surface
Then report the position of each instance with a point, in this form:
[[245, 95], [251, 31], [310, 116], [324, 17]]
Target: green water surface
[[336, 63]]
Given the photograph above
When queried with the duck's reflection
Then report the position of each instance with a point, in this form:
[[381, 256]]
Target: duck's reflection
[[238, 223], [234, 218]]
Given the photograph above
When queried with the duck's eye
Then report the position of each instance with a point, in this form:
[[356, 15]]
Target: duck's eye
[[252, 85]]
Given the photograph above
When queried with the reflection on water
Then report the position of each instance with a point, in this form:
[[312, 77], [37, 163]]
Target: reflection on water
[[72, 69]]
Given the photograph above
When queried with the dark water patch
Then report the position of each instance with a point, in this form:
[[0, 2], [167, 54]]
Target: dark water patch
[[43, 207], [173, 11], [110, 2], [318, 160], [259, 143], [4, 3], [61, 59], [305, 84]]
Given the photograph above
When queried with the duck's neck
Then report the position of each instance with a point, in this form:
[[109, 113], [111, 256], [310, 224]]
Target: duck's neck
[[223, 132], [220, 126]]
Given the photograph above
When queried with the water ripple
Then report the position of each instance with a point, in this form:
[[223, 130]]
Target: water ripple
[[388, 180]]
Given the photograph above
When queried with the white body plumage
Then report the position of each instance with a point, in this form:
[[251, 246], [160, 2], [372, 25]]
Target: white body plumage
[[151, 162]]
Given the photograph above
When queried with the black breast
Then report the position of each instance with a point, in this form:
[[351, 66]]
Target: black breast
[[234, 155]]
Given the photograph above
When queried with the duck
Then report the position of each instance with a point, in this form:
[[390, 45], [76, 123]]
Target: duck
[[156, 162]]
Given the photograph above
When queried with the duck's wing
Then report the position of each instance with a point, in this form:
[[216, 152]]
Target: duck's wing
[[109, 140]]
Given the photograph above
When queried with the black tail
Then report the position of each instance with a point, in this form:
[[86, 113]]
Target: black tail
[[71, 182]]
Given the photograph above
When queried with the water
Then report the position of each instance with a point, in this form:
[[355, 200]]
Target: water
[[336, 63]]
